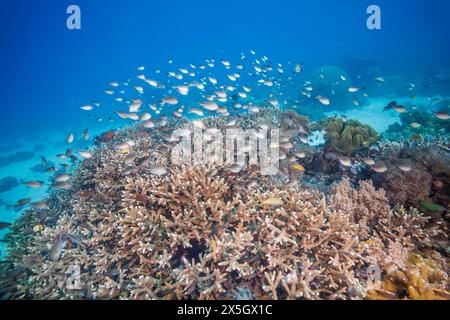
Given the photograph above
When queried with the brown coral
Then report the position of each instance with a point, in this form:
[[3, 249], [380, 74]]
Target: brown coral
[[427, 180]]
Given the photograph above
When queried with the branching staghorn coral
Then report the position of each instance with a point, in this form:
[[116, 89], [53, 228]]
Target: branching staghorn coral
[[203, 232]]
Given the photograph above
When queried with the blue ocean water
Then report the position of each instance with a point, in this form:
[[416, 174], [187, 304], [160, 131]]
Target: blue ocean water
[[48, 71]]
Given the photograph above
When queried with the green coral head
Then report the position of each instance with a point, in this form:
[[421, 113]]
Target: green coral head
[[347, 136]]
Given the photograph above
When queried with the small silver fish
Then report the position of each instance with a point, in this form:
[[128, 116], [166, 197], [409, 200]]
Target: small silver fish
[[442, 115], [87, 108], [369, 162], [60, 244], [345, 161], [158, 170], [86, 135], [235, 168], [62, 185], [300, 154], [379, 168], [34, 184], [405, 167], [353, 89], [43, 161], [323, 100], [70, 138], [85, 154], [62, 177]]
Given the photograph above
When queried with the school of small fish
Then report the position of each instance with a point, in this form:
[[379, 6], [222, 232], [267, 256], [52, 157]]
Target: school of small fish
[[214, 87]]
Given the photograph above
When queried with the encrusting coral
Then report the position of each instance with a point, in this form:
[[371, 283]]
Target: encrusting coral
[[204, 232]]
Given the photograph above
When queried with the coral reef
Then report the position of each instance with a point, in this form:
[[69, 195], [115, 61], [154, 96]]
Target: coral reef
[[424, 279], [292, 121], [429, 124], [406, 188], [205, 232], [427, 180], [347, 136]]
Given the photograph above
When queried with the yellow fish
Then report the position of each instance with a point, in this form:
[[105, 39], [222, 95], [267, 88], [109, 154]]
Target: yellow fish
[[124, 151], [298, 167]]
